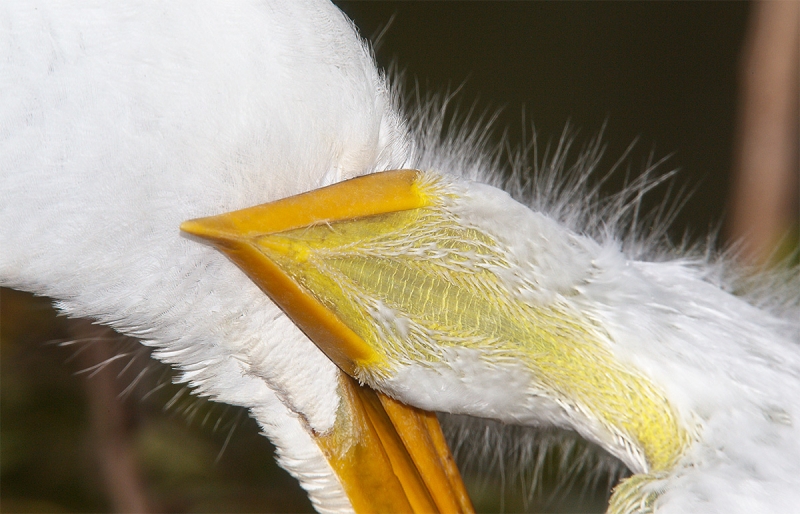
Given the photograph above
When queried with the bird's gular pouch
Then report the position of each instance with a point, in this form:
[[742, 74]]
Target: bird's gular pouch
[[309, 253], [400, 271]]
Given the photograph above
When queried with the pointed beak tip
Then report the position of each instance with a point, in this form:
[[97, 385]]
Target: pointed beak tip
[[193, 227], [213, 228]]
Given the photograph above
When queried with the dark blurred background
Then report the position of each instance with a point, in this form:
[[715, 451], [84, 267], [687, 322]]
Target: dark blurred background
[[662, 73]]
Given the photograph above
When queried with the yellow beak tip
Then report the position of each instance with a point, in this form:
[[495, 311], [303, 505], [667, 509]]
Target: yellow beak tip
[[194, 227], [214, 228]]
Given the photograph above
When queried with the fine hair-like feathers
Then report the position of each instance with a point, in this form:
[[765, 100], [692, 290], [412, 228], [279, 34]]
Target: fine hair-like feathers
[[121, 137]]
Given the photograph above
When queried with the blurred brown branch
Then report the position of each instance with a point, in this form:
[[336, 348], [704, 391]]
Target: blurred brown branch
[[112, 421], [765, 187]]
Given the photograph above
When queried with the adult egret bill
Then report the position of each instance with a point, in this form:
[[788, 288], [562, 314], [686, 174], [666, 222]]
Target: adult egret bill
[[123, 122]]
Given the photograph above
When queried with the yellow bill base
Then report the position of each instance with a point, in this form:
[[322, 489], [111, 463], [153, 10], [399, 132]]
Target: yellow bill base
[[389, 457]]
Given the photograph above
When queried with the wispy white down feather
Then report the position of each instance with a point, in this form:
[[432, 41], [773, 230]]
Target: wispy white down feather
[[722, 341], [119, 121]]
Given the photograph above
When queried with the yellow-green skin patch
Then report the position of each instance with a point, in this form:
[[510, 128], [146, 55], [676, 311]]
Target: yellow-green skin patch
[[436, 280], [413, 283]]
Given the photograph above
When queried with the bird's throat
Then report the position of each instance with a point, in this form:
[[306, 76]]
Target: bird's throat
[[402, 282], [414, 284]]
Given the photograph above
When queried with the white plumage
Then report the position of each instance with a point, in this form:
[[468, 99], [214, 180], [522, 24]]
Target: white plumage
[[121, 121]]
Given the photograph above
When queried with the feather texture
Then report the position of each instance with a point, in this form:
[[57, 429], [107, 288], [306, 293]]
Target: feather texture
[[120, 121]]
